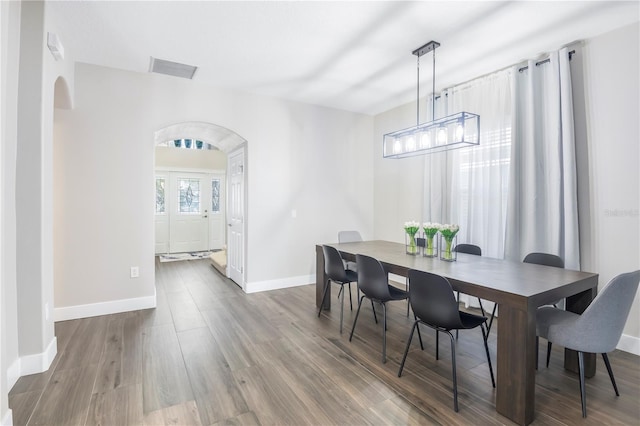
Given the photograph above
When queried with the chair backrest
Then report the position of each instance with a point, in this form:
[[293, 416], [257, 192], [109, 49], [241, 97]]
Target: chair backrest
[[333, 266], [349, 236], [600, 326], [544, 259], [432, 300], [468, 249], [372, 278]]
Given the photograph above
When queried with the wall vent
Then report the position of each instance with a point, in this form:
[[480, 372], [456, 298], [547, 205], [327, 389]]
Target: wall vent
[[175, 69]]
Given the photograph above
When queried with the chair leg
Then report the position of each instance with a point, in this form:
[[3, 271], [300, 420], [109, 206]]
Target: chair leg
[[486, 348], [384, 333], [324, 296], [437, 345], [340, 292], [375, 317], [356, 318], [458, 301], [406, 288], [610, 371], [548, 352], [453, 372], [350, 301], [341, 308], [406, 349], [419, 335], [493, 315], [583, 397]]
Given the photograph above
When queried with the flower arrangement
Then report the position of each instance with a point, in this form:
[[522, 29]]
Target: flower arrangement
[[448, 232], [411, 228], [430, 231]]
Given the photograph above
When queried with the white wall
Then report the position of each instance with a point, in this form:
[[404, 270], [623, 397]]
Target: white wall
[[311, 159], [611, 89], [190, 158]]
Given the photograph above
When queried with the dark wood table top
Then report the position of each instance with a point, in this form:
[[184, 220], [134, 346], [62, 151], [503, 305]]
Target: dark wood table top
[[523, 285]]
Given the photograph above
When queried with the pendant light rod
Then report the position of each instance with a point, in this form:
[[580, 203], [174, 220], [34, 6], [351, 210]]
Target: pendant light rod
[[420, 51]]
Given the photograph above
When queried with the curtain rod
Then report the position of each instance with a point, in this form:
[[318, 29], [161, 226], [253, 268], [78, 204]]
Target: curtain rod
[[544, 61]]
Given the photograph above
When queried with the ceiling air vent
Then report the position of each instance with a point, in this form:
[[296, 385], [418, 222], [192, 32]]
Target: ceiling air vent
[[175, 69]]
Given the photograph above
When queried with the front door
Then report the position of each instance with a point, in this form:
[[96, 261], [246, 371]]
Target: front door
[[235, 205], [189, 219]]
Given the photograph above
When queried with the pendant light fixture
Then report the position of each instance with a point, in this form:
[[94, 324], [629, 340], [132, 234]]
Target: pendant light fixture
[[453, 131]]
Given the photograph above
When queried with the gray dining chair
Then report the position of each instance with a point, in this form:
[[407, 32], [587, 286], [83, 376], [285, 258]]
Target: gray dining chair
[[335, 271], [596, 330], [544, 259], [349, 237], [373, 281], [435, 306]]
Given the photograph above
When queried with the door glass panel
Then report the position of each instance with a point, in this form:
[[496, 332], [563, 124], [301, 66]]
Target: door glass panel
[[189, 194], [160, 206], [215, 195]]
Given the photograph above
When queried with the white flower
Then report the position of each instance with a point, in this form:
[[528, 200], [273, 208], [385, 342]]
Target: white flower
[[412, 224], [431, 225]]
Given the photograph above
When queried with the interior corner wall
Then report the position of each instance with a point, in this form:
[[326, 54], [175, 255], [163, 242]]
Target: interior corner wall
[[316, 161], [9, 46], [612, 90]]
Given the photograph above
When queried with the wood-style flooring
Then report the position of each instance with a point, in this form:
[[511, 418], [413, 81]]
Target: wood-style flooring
[[210, 354]]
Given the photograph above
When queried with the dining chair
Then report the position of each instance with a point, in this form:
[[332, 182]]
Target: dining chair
[[596, 330], [349, 237], [434, 305], [373, 281], [544, 259], [475, 250], [335, 271]]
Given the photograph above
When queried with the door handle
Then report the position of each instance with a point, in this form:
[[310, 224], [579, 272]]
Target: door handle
[[205, 216]]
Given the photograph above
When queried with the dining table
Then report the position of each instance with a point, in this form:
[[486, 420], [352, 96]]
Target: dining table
[[517, 288]]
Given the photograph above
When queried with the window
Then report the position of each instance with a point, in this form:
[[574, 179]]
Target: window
[[215, 195], [160, 205], [189, 196]]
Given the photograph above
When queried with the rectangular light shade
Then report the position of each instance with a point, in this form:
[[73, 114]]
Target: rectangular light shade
[[454, 131]]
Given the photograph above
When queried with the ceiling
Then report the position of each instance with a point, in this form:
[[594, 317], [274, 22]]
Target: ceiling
[[354, 56]]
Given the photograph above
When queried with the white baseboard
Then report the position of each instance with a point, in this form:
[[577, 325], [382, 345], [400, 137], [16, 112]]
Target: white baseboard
[[7, 419], [37, 363], [629, 344], [13, 374], [103, 308], [279, 283]]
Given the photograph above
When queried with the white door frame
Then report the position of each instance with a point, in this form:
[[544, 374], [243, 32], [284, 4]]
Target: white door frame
[[243, 246]]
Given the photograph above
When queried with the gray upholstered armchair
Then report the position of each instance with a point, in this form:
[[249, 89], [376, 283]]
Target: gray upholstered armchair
[[597, 329]]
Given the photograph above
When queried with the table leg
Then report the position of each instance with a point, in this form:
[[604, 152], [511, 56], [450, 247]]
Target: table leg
[[321, 280], [515, 393], [578, 303]]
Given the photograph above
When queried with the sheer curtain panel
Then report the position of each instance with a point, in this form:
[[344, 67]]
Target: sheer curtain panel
[[543, 208]]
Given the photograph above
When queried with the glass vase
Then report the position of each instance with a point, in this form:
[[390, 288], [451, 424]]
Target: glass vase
[[446, 248], [431, 246], [410, 243]]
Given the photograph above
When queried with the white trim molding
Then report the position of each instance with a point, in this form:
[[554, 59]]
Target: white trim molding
[[103, 308], [277, 284], [629, 344], [7, 419], [37, 363], [13, 373]]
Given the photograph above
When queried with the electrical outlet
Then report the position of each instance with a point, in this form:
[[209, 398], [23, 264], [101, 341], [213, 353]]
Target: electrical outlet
[[135, 272]]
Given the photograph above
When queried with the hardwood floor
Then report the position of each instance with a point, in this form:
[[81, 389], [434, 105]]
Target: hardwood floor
[[210, 354]]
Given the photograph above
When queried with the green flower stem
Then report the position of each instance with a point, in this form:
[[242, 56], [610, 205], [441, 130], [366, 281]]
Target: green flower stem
[[447, 250], [429, 246]]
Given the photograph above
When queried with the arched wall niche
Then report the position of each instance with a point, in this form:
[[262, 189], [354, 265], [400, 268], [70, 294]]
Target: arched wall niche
[[62, 94]]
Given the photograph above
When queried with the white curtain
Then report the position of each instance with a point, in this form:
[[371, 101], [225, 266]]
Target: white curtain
[[480, 175], [543, 208]]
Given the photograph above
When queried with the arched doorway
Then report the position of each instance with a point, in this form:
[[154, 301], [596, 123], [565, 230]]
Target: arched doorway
[[234, 147]]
